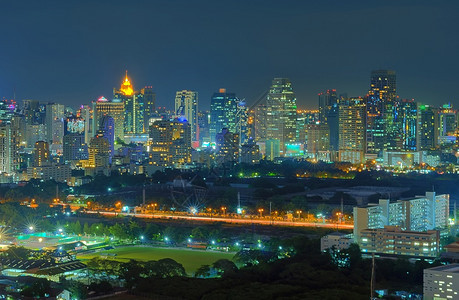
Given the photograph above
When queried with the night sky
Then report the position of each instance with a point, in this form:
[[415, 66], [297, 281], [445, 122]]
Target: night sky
[[73, 52]]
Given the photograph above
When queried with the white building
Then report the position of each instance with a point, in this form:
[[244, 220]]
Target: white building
[[337, 239], [441, 283], [422, 213]]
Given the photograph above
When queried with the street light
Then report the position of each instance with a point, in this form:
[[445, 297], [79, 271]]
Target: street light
[[260, 210], [299, 213], [224, 210]]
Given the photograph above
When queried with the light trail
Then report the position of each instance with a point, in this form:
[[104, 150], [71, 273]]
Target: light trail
[[227, 220]]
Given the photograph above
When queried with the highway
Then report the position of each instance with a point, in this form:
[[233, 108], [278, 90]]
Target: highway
[[227, 219]]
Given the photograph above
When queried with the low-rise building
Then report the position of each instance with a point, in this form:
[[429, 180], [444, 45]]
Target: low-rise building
[[59, 173], [336, 239], [441, 283], [394, 241]]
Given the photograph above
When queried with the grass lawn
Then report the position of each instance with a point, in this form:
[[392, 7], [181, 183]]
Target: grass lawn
[[190, 259]]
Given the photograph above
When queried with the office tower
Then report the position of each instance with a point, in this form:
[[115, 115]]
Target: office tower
[[74, 148], [6, 153], [227, 147], [281, 113], [86, 112], [305, 118], [55, 123], [99, 152], [318, 139], [41, 154], [272, 149], [223, 113], [447, 121], [170, 143], [427, 124], [326, 100], [407, 114], [149, 102], [31, 109], [34, 133], [333, 126], [352, 130], [250, 153], [257, 122], [204, 126], [107, 126], [382, 131], [115, 109], [134, 106], [186, 106]]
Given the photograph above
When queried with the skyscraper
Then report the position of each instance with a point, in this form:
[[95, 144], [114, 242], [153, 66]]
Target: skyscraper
[[107, 126], [223, 113], [6, 153], [41, 154], [115, 109], [407, 114], [74, 148], [381, 129], [186, 106], [326, 100], [352, 130], [55, 123], [149, 100], [281, 113], [227, 147], [427, 124]]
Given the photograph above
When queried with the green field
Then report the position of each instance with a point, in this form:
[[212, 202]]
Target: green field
[[190, 259]]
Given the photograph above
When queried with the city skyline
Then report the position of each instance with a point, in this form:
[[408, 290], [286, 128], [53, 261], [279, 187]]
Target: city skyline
[[331, 50]]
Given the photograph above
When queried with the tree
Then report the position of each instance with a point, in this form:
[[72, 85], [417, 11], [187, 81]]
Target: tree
[[167, 267], [203, 271], [39, 288], [224, 267], [131, 272]]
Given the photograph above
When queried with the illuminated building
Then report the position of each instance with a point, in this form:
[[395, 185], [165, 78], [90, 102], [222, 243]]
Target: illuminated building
[[250, 153], [227, 147], [204, 127], [407, 114], [281, 113], [34, 133], [74, 148], [74, 124], [170, 143], [381, 128], [186, 106], [149, 103], [419, 214], [352, 130], [59, 173], [447, 121], [272, 149], [223, 113], [138, 106], [427, 124], [41, 154], [257, 122], [115, 109], [441, 283], [107, 127], [304, 118], [6, 153], [31, 111], [327, 100], [318, 139], [55, 123], [87, 114], [99, 152], [393, 240]]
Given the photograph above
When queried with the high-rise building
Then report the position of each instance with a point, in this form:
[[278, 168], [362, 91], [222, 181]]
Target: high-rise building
[[55, 123], [170, 143], [41, 154], [227, 147], [223, 113], [318, 139], [99, 152], [250, 153], [327, 100], [352, 130], [138, 106], [149, 102], [427, 124], [75, 148], [115, 109], [407, 114], [107, 126], [447, 121], [381, 128], [6, 153], [281, 113], [186, 106], [86, 112], [204, 127], [441, 282]]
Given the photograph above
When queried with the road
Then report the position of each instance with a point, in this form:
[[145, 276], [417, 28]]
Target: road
[[228, 220]]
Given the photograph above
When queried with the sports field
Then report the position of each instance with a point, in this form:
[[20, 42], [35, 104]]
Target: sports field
[[190, 259]]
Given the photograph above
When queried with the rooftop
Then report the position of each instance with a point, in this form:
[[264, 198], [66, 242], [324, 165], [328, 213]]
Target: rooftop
[[452, 268]]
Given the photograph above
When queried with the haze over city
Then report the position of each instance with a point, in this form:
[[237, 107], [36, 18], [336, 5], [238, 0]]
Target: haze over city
[[73, 52]]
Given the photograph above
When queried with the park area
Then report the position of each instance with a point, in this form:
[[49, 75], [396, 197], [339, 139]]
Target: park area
[[189, 258]]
